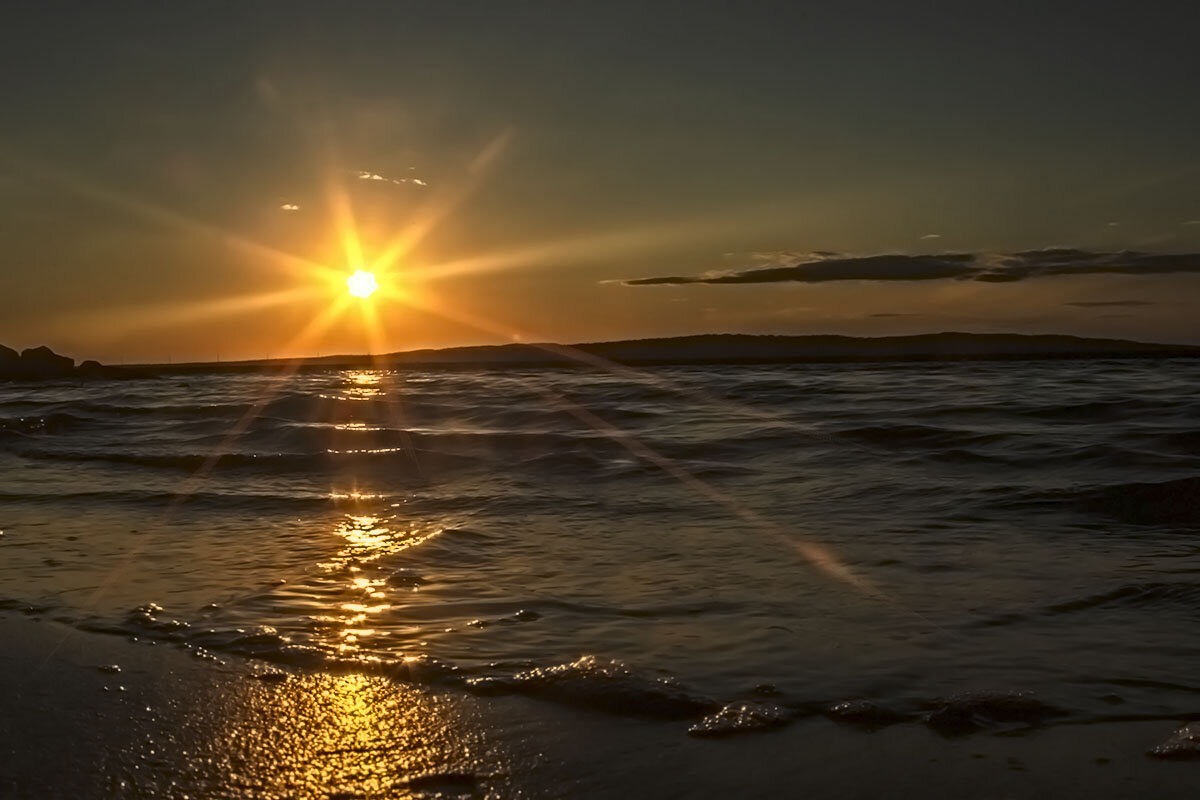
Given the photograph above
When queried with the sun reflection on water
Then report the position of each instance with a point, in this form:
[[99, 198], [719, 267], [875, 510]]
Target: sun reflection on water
[[332, 735], [351, 623], [363, 384]]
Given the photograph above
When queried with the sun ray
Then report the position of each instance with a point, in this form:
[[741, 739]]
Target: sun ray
[[444, 202], [316, 327], [293, 264], [342, 211], [124, 320], [377, 343], [814, 554], [644, 376]]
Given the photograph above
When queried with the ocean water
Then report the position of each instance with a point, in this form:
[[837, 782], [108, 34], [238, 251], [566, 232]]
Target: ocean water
[[724, 548]]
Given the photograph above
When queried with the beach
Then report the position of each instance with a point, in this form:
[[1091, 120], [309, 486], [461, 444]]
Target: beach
[[180, 728]]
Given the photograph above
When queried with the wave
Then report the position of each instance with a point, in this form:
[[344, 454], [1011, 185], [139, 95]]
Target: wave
[[37, 424], [149, 498], [601, 685], [589, 682], [393, 459], [1179, 441], [1104, 410], [1128, 596], [741, 717], [919, 436], [1134, 595], [1168, 502]]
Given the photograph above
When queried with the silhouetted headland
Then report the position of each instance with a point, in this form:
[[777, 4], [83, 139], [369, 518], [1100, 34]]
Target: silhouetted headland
[[42, 363], [734, 349]]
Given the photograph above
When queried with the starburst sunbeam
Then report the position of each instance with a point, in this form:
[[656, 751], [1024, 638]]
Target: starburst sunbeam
[[815, 555], [441, 204], [292, 264], [125, 320]]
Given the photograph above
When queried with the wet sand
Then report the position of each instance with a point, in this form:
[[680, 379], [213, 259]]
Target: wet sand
[[169, 725]]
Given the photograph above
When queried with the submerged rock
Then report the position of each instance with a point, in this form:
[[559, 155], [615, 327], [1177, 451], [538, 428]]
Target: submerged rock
[[1183, 743]]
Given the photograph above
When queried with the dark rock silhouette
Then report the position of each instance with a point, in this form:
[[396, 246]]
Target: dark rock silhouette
[[42, 363]]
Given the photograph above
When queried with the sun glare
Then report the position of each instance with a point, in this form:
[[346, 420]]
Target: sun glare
[[362, 284]]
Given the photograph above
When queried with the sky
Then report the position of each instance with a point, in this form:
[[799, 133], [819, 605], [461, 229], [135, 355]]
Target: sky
[[194, 181]]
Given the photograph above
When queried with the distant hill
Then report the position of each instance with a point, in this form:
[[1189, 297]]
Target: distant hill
[[742, 349]]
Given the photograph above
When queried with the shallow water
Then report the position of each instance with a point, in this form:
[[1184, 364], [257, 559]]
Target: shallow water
[[651, 543]]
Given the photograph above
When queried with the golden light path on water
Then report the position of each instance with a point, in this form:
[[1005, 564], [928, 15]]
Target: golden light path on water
[[322, 735]]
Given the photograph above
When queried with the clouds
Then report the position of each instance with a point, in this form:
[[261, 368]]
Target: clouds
[[821, 267], [289, 207], [375, 176], [1111, 304]]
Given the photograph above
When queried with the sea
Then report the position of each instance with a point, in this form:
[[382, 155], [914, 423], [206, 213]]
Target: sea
[[721, 548]]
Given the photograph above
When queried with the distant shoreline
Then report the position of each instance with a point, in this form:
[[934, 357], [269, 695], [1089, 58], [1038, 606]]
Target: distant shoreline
[[366, 362], [719, 350]]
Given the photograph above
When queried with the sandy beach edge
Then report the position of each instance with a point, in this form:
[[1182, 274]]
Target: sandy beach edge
[[88, 715]]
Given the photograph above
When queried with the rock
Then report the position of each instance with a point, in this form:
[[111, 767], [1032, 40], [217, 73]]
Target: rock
[[36, 363], [1183, 743], [42, 363], [44, 355], [94, 369]]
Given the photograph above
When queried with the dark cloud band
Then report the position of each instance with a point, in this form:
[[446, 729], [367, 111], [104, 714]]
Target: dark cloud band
[[986, 267], [1111, 304]]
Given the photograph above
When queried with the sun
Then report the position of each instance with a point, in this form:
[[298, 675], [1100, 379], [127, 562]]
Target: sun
[[362, 284]]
